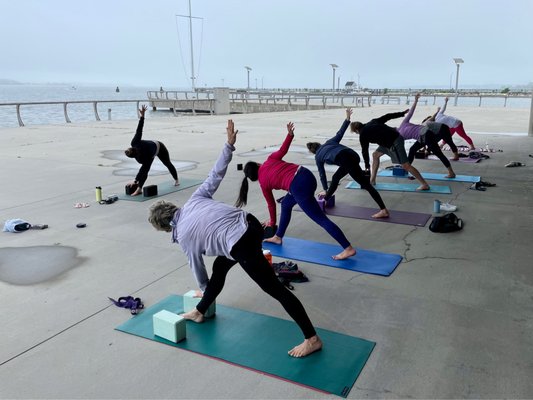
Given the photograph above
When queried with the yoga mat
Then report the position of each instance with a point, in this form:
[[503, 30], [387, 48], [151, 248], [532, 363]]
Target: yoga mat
[[163, 189], [403, 187], [260, 343], [367, 261], [462, 159], [435, 177]]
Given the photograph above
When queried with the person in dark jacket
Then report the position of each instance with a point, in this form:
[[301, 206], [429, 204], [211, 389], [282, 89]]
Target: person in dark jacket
[[144, 151], [390, 142], [334, 153]]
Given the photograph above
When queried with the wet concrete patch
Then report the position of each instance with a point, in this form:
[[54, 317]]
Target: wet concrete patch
[[129, 167], [36, 264]]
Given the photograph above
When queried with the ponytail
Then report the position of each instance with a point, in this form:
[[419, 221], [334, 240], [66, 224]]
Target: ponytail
[[251, 170]]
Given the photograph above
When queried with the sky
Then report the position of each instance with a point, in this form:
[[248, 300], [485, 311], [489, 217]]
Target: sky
[[286, 43]]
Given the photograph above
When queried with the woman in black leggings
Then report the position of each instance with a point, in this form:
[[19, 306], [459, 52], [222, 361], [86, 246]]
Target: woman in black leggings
[[435, 133], [145, 151], [332, 152], [204, 226]]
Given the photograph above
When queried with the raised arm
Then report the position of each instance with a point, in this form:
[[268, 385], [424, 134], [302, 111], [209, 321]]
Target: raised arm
[[217, 173], [411, 111], [286, 144], [387, 117], [444, 106], [139, 132], [345, 124]]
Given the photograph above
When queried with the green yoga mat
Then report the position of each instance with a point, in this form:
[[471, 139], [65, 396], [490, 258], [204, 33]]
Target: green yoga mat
[[260, 343], [163, 189], [403, 187]]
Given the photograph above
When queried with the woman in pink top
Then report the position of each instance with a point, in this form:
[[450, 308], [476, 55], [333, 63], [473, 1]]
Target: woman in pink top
[[455, 125], [300, 184]]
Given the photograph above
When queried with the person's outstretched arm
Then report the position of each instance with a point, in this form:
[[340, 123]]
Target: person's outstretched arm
[[217, 173], [444, 106], [196, 263], [345, 124], [286, 144], [139, 132], [412, 109], [387, 117]]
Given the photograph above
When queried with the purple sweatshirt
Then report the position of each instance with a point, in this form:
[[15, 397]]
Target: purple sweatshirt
[[409, 130]]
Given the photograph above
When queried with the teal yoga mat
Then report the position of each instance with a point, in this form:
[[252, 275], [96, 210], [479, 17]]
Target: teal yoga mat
[[163, 189], [435, 177], [260, 343], [367, 261], [403, 187]]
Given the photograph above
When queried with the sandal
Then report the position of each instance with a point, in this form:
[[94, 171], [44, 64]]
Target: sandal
[[477, 186]]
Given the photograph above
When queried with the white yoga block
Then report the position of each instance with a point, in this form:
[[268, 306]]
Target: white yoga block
[[190, 302], [169, 326]]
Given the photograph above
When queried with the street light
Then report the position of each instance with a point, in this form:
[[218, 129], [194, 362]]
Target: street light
[[334, 66], [458, 62], [248, 69]]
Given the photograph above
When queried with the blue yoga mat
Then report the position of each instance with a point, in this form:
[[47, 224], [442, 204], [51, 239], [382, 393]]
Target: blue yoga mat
[[435, 177], [367, 261], [403, 187], [260, 342]]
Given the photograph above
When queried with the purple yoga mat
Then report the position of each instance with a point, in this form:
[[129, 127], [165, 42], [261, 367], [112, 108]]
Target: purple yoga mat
[[462, 159], [396, 217]]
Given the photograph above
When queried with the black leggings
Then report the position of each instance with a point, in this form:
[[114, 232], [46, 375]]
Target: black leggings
[[248, 253], [164, 156], [348, 162], [432, 142]]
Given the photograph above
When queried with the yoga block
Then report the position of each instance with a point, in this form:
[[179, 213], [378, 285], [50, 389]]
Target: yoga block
[[149, 191], [326, 204], [399, 171], [169, 326], [130, 189], [190, 302], [270, 231]]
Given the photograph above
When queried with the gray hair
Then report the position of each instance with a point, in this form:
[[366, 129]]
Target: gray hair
[[161, 214]]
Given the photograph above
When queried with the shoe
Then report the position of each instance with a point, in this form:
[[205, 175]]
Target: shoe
[[485, 183], [39, 226], [514, 164], [447, 207]]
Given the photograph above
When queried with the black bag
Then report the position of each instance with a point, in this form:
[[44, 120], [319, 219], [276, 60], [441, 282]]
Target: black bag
[[447, 223], [288, 272]]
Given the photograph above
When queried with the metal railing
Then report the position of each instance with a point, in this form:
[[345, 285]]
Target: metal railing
[[65, 104]]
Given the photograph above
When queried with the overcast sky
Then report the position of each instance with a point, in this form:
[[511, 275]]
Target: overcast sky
[[287, 43]]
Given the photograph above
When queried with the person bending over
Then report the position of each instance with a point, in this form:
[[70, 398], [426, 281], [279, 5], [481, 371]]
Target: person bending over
[[204, 226], [455, 125], [334, 153], [390, 142], [428, 135], [300, 184], [144, 151]]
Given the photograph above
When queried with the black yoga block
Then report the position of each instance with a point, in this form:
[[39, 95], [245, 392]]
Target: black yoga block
[[269, 231], [130, 189], [149, 191]]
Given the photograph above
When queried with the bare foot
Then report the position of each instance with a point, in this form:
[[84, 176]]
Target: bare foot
[[423, 187], [456, 158], [177, 183], [451, 176], [381, 214], [274, 239], [194, 315], [307, 347], [347, 252]]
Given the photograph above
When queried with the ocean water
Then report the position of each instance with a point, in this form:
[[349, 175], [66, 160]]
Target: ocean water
[[53, 113]]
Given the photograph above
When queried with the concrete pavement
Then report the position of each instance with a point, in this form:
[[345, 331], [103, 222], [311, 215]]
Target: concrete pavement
[[453, 321]]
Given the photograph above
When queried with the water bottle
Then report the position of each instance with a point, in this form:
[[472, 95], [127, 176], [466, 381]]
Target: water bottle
[[98, 194], [436, 206], [268, 256]]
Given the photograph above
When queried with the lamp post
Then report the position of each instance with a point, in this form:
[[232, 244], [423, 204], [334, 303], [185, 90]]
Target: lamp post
[[458, 62], [248, 69], [334, 66]]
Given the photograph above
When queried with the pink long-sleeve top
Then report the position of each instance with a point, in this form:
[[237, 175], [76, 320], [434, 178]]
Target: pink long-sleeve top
[[276, 174]]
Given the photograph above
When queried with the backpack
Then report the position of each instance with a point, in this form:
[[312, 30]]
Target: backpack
[[288, 272], [447, 223]]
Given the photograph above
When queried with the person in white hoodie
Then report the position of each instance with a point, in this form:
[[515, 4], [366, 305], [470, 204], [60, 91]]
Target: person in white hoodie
[[455, 124], [204, 226]]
